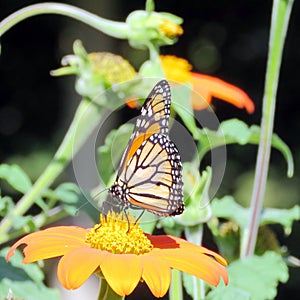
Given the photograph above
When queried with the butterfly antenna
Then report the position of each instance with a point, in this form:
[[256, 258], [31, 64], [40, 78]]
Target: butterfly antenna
[[95, 196], [80, 207]]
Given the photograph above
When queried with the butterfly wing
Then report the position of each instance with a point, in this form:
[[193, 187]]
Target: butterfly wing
[[150, 173], [154, 177], [154, 118]]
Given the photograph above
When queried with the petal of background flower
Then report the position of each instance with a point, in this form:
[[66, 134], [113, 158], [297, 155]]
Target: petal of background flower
[[222, 90], [157, 275], [77, 266], [51, 242], [122, 272]]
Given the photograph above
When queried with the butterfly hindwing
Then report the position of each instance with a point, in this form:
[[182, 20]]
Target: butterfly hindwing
[[154, 177], [150, 173]]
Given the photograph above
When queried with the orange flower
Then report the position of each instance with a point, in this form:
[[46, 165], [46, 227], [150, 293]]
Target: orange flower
[[122, 256], [179, 70]]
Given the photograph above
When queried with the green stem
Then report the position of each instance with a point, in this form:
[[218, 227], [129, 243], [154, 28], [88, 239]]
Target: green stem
[[175, 292], [280, 18], [195, 235], [106, 293], [112, 28], [85, 120]]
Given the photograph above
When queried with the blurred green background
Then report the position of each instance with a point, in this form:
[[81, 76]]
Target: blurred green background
[[227, 39]]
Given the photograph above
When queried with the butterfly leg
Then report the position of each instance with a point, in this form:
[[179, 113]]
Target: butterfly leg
[[139, 217]]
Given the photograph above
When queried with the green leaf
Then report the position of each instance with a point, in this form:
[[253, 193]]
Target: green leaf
[[24, 280], [285, 217], [22, 271], [254, 277], [183, 107], [227, 208], [67, 192], [197, 209], [6, 205], [112, 150], [24, 222], [27, 290], [235, 131], [223, 292], [16, 177]]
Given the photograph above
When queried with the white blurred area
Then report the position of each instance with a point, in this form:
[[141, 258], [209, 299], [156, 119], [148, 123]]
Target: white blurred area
[[89, 290]]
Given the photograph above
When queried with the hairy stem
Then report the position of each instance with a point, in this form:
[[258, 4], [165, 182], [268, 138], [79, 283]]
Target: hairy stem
[[112, 28], [106, 293], [279, 23]]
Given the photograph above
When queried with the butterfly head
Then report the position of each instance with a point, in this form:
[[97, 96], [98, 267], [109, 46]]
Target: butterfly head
[[116, 191]]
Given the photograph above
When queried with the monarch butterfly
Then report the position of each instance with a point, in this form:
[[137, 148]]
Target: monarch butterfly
[[150, 172]]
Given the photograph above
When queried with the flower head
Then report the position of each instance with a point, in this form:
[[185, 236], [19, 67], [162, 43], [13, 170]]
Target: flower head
[[95, 72], [123, 256], [179, 70], [150, 27]]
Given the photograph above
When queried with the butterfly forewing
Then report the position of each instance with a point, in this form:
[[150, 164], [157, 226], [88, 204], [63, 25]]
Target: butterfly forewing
[[150, 173], [154, 118]]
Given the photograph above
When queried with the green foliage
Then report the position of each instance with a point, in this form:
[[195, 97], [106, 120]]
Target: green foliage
[[111, 152], [6, 205], [16, 177], [227, 208], [68, 196], [24, 280], [253, 277], [235, 131], [184, 108]]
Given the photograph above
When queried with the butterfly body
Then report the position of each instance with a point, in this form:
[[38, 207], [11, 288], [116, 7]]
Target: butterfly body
[[150, 173]]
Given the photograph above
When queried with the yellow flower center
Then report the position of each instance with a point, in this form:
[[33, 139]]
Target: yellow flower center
[[114, 68], [113, 235], [176, 69], [170, 29]]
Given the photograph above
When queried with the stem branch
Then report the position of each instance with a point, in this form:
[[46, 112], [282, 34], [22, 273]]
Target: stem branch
[[112, 28]]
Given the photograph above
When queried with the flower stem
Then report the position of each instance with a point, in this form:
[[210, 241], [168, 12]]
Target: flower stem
[[112, 28], [175, 292], [106, 293], [195, 235], [85, 120], [279, 23]]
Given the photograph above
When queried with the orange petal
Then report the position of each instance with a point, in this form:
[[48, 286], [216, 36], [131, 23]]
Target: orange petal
[[77, 266], [201, 97], [197, 264], [157, 275], [132, 102], [122, 272], [209, 86], [51, 242], [198, 249]]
